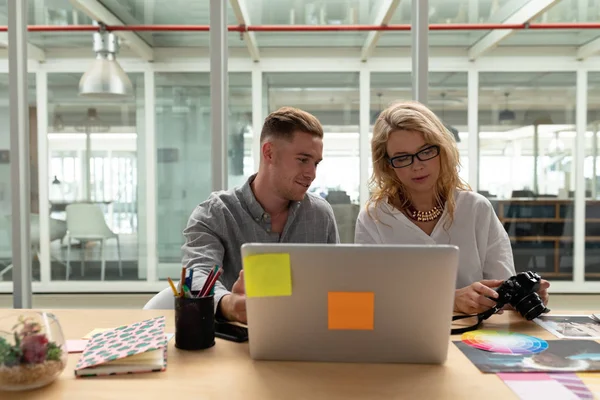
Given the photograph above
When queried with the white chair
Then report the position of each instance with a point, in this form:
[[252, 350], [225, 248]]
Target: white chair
[[163, 300], [86, 223]]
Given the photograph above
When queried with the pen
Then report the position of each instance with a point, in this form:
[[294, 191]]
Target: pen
[[189, 280], [216, 273], [173, 287], [207, 281], [182, 281], [212, 283]]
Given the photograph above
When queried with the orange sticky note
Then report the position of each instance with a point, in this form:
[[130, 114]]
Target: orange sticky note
[[351, 310]]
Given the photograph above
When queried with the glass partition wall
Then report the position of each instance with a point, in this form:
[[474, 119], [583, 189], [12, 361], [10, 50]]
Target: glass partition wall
[[527, 161], [526, 126], [6, 266], [526, 164], [93, 169], [527, 138], [591, 168], [184, 152], [334, 99]]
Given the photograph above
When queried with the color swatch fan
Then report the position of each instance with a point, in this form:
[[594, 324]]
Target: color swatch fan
[[504, 342]]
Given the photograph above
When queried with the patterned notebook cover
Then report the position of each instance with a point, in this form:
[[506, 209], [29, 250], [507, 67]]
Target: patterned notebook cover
[[124, 341]]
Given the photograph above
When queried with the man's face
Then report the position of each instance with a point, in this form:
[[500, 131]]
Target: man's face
[[293, 164]]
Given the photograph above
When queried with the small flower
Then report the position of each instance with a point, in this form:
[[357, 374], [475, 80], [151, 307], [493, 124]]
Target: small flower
[[34, 348]]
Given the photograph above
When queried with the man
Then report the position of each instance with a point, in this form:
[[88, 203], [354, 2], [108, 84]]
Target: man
[[272, 206]]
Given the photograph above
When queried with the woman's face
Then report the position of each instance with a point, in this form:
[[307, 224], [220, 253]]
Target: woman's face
[[415, 162]]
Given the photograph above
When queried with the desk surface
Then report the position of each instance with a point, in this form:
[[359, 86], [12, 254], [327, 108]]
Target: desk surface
[[226, 371]]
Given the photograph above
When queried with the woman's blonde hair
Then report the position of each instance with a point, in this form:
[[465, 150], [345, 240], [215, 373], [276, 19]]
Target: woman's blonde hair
[[413, 116]]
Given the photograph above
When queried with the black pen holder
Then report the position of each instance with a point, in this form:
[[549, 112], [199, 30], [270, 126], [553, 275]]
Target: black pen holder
[[194, 322]]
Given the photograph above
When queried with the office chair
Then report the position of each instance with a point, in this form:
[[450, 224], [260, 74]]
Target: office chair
[[86, 223]]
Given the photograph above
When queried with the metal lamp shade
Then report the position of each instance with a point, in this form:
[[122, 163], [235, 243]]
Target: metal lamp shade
[[105, 79]]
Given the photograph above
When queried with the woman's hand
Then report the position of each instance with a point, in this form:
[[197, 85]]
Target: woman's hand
[[476, 298]]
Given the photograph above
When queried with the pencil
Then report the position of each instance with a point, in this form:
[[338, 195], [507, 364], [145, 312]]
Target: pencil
[[173, 287], [182, 281]]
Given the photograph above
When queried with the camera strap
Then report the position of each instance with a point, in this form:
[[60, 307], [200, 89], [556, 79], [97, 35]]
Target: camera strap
[[458, 331], [480, 317]]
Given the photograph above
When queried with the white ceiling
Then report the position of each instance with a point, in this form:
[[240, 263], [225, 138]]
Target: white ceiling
[[312, 12]]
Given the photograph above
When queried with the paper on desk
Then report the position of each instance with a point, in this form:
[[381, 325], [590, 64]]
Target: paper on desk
[[268, 275], [538, 386], [592, 381], [562, 356], [570, 326], [76, 346]]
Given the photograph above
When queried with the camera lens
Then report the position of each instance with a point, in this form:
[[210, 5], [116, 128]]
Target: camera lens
[[531, 306]]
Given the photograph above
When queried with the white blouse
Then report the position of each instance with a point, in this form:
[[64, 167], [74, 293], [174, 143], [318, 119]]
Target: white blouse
[[485, 250]]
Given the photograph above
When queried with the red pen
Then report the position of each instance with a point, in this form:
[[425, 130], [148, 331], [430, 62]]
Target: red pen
[[208, 278], [212, 283]]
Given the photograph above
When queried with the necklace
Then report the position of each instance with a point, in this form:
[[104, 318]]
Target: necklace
[[425, 216]]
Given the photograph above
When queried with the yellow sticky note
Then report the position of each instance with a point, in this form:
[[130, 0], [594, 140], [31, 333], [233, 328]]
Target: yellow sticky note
[[268, 275], [94, 332], [351, 310]]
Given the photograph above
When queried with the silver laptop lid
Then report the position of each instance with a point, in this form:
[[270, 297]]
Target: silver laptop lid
[[349, 303]]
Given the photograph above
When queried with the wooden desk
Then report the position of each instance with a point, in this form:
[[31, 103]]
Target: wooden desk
[[226, 371]]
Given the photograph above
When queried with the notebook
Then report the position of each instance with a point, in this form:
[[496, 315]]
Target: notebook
[[139, 347]]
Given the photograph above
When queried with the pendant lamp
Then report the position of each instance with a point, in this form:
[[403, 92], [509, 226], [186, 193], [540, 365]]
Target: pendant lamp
[[105, 79]]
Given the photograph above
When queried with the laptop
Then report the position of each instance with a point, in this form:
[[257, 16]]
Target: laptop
[[351, 302]]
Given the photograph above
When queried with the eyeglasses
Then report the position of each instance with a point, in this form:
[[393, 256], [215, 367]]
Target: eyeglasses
[[407, 159]]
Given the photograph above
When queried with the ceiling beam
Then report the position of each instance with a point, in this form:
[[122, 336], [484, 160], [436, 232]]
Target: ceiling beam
[[523, 15], [382, 17], [96, 11], [33, 51], [588, 49], [241, 14]]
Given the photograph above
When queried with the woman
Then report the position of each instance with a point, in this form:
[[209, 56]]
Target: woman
[[418, 198]]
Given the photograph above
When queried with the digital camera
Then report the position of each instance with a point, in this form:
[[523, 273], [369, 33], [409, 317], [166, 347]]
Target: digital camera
[[520, 291]]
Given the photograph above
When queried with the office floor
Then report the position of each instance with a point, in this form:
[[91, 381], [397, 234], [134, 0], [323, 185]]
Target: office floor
[[48, 301]]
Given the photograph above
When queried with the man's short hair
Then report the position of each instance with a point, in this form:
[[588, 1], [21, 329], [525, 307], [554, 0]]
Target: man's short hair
[[283, 123]]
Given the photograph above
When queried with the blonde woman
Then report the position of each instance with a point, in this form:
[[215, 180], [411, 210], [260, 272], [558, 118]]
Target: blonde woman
[[418, 198]]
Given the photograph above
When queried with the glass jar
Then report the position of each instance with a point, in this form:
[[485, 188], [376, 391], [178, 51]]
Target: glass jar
[[33, 351]]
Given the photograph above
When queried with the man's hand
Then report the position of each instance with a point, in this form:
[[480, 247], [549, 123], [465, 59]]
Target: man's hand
[[475, 298], [543, 292], [233, 306]]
